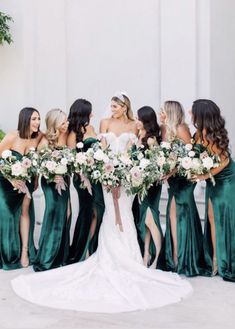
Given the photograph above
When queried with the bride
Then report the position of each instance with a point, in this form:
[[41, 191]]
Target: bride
[[114, 279]]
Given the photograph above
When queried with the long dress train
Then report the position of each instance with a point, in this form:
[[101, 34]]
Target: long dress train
[[114, 278]]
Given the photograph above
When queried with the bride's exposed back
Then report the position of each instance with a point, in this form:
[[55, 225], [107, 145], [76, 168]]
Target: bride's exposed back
[[114, 278]]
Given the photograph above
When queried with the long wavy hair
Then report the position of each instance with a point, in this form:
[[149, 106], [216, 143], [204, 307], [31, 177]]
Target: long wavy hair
[[175, 117], [124, 100], [54, 120], [24, 123], [210, 124], [79, 117], [147, 116]]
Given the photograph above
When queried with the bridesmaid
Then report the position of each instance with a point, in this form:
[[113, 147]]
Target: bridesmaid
[[219, 233], [54, 237], [148, 222], [91, 207], [183, 238], [16, 209]]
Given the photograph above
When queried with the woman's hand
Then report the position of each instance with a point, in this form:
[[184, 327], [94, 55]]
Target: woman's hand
[[165, 177], [18, 184], [198, 178]]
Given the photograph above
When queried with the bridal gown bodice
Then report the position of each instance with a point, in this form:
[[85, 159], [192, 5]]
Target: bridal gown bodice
[[114, 278]]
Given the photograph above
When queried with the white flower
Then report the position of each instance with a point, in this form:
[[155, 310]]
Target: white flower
[[188, 147], [207, 163], [144, 163], [60, 169], [191, 153], [161, 161], [50, 165], [196, 164], [90, 152], [80, 158], [64, 162], [79, 145], [6, 154], [165, 145], [124, 159], [96, 174], [186, 163], [140, 156], [34, 163], [99, 155], [18, 170]]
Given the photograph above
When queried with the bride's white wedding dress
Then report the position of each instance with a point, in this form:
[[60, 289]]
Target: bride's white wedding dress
[[113, 279]]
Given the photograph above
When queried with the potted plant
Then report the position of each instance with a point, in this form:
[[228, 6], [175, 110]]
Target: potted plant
[[5, 35]]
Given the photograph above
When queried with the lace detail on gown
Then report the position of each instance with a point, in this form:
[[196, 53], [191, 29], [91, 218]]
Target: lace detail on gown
[[114, 278]]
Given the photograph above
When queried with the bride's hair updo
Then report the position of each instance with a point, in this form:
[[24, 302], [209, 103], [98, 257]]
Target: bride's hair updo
[[79, 117], [123, 100], [210, 124], [54, 120], [174, 117]]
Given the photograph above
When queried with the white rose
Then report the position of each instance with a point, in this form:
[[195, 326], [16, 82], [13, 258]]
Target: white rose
[[188, 147], [17, 169], [191, 153], [144, 163], [80, 158], [186, 163], [60, 169], [165, 145], [99, 155], [124, 159], [6, 154], [140, 156], [64, 162], [196, 164], [161, 161], [207, 163], [79, 145], [50, 165], [35, 163]]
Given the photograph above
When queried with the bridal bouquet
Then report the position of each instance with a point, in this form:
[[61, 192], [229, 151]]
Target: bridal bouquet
[[19, 169], [191, 161], [165, 158], [140, 172], [97, 165], [55, 165]]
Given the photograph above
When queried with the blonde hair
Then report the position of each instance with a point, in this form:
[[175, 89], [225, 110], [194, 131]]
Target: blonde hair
[[54, 120], [174, 117], [124, 100]]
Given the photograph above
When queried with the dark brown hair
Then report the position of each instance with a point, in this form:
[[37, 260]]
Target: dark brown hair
[[24, 123], [207, 118], [147, 116]]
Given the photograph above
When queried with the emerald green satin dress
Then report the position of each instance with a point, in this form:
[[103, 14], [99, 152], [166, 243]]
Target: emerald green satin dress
[[189, 230], [222, 196], [89, 205], [53, 250], [151, 202], [10, 212]]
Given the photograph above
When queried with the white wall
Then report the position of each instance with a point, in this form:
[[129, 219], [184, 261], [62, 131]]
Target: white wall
[[155, 50]]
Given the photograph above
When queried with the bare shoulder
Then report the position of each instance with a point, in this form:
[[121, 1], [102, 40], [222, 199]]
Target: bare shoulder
[[104, 124], [10, 137], [43, 143], [183, 133], [133, 127]]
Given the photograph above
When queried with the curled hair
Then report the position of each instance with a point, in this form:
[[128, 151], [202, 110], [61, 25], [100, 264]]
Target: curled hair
[[147, 116], [175, 117], [210, 124], [79, 117], [24, 123], [123, 100], [54, 120]]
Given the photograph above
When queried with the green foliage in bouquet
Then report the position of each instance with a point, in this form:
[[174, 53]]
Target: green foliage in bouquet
[[5, 35]]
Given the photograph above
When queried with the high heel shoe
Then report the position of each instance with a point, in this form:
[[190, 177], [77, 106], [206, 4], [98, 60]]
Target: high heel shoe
[[24, 259], [215, 267]]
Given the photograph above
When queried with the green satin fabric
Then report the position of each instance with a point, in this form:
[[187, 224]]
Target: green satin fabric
[[189, 231], [10, 212], [89, 205], [151, 201], [53, 250], [222, 197]]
